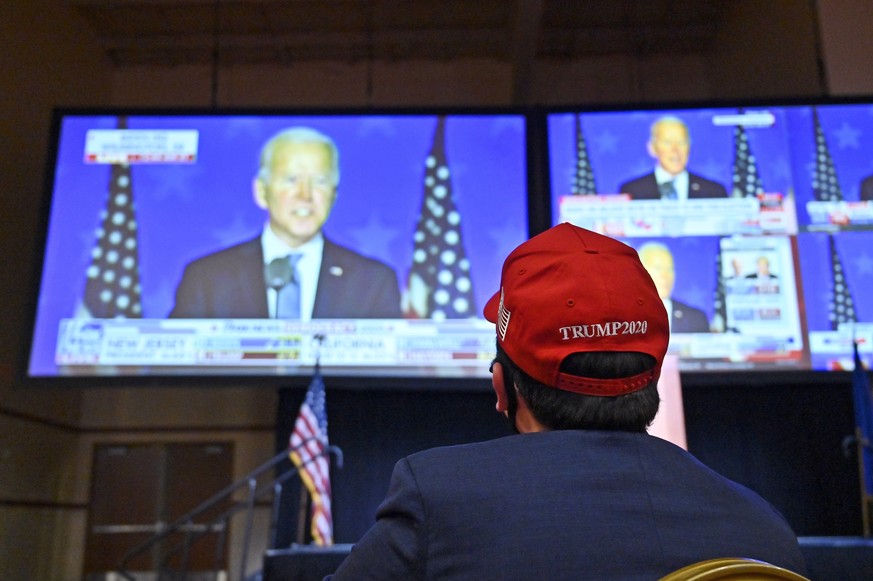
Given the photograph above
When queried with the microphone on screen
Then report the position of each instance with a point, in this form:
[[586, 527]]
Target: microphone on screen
[[278, 274]]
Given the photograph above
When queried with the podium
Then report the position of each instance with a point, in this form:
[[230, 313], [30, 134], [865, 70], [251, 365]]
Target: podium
[[303, 562], [845, 558]]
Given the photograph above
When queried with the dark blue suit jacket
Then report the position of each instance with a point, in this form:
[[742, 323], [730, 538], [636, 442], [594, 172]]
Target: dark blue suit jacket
[[563, 505], [688, 319], [646, 188], [230, 284]]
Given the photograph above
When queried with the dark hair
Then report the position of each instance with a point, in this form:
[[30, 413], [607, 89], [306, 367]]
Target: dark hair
[[564, 410]]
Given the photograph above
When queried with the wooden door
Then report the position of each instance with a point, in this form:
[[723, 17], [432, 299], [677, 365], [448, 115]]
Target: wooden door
[[139, 489]]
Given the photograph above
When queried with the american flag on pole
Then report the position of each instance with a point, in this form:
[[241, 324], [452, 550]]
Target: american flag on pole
[[112, 288], [308, 449], [825, 185], [583, 182], [841, 309], [440, 286], [746, 181]]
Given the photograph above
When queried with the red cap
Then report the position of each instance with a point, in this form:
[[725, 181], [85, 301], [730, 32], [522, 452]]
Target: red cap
[[569, 290]]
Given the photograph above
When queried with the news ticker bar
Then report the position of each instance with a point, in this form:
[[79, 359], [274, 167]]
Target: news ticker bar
[[619, 215], [253, 342], [832, 350], [377, 343], [839, 213]]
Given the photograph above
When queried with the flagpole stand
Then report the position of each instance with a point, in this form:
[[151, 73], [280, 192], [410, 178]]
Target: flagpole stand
[[302, 509]]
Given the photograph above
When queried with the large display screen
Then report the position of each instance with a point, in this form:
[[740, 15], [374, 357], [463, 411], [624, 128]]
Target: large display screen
[[756, 223], [168, 236], [244, 245]]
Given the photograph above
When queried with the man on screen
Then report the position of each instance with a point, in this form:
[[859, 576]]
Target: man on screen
[[670, 144], [763, 279], [762, 270], [867, 189], [658, 260], [581, 491], [290, 270]]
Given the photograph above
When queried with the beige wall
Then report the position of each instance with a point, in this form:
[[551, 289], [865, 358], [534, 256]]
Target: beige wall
[[766, 49], [847, 45], [37, 463], [48, 58], [45, 60]]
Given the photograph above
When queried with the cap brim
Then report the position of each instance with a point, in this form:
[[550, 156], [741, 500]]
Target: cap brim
[[491, 307]]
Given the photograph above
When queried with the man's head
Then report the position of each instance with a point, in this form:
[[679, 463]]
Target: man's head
[[737, 266], [763, 265], [296, 183], [658, 261], [581, 331], [670, 144]]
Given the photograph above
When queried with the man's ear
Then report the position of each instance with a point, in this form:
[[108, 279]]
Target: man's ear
[[498, 383], [650, 147], [259, 193]]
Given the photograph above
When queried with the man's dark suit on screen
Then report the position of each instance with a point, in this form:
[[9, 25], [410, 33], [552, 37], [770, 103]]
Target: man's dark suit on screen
[[687, 319], [230, 284], [577, 504], [646, 188], [867, 189]]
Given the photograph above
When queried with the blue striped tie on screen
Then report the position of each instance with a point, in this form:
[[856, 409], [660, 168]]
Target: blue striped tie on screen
[[289, 295], [667, 190]]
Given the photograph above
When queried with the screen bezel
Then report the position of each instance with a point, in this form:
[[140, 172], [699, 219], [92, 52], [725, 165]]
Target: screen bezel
[[415, 380]]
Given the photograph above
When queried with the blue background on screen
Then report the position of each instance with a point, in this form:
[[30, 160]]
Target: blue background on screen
[[848, 131], [617, 150], [856, 254]]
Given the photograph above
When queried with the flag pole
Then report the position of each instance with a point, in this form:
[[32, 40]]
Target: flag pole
[[865, 500], [863, 414]]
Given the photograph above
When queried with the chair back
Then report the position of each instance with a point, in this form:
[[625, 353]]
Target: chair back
[[732, 568]]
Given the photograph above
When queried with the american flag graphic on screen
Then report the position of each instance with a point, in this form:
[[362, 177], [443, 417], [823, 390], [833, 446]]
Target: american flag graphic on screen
[[746, 181], [440, 266], [825, 185], [719, 305], [841, 308], [309, 451], [583, 181], [112, 288]]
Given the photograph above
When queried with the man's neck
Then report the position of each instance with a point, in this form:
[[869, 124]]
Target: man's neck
[[662, 175], [274, 246], [525, 422]]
